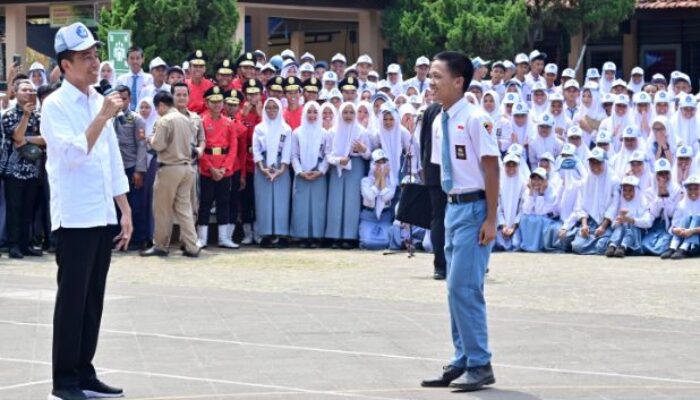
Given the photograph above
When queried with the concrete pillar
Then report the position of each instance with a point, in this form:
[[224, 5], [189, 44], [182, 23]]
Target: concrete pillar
[[630, 50], [370, 36], [297, 43], [259, 27], [240, 28], [15, 34], [574, 53]]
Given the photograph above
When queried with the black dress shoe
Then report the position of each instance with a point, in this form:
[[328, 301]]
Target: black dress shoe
[[346, 245], [67, 394], [677, 255], [475, 379], [666, 254], [100, 390], [32, 252], [16, 253], [190, 254], [449, 373], [439, 276], [153, 251], [266, 243], [282, 243]]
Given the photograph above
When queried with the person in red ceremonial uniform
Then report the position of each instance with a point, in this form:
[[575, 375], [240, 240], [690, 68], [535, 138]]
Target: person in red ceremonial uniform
[[312, 87], [246, 70], [292, 113], [249, 115], [216, 166], [232, 102], [198, 84], [224, 75]]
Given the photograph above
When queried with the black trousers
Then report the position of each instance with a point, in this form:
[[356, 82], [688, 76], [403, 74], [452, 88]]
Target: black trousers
[[211, 191], [248, 200], [83, 256], [438, 204], [234, 202], [20, 196]]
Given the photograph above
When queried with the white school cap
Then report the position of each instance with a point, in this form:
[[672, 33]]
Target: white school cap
[[692, 180], [622, 99], [546, 120], [364, 59], [306, 67], [556, 96], [637, 156], [520, 109], [157, 62], [74, 37], [637, 71], [339, 57], [662, 97], [547, 156], [597, 154], [684, 152], [522, 58], [630, 180], [510, 157], [288, 53], [603, 136], [574, 131], [379, 154], [422, 60], [687, 100], [569, 73], [568, 149], [592, 73], [551, 68], [619, 82], [609, 66], [511, 98], [641, 98], [630, 132], [572, 83], [662, 165], [608, 98], [539, 171]]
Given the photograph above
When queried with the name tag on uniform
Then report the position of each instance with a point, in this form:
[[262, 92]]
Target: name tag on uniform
[[498, 132], [461, 152]]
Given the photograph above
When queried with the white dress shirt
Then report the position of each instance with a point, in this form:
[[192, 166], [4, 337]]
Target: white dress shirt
[[83, 183], [468, 136]]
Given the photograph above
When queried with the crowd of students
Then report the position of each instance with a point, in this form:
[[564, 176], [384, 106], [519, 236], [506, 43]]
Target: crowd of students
[[297, 148]]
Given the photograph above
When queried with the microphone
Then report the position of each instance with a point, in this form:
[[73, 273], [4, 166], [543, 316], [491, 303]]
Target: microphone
[[105, 88]]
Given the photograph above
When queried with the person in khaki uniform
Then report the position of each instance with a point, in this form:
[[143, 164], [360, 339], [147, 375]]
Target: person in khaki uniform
[[172, 140]]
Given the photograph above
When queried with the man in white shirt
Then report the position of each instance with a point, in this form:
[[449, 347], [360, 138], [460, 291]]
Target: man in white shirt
[[469, 159], [136, 80], [86, 175], [158, 69], [421, 80]]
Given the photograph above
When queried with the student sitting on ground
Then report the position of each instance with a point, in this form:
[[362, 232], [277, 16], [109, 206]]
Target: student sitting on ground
[[632, 217], [377, 193], [667, 195], [538, 212], [686, 221]]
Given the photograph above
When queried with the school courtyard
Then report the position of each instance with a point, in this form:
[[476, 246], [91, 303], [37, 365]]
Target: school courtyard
[[321, 324]]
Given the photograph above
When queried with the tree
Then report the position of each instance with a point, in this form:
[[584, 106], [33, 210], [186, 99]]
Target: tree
[[488, 28], [172, 29], [590, 18]]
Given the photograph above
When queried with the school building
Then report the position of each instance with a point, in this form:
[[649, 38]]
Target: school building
[[661, 36]]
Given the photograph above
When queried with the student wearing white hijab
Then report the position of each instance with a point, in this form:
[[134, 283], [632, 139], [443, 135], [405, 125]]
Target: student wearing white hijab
[[661, 142], [272, 151], [491, 102], [618, 121], [641, 168], [596, 206], [637, 81], [591, 113], [393, 138], [662, 101], [540, 101], [394, 79], [609, 70], [407, 116], [685, 123], [37, 74], [350, 147], [683, 167], [378, 192], [502, 125], [510, 202], [667, 195], [686, 221], [632, 217], [523, 129], [574, 136], [365, 116], [630, 140], [107, 72], [561, 121], [572, 174], [538, 211], [519, 151], [310, 146], [545, 141], [643, 114]]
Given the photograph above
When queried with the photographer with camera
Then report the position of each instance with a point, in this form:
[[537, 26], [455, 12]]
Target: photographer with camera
[[20, 156]]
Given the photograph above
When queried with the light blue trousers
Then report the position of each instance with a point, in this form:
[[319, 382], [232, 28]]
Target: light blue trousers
[[467, 262], [629, 237], [692, 244], [657, 239]]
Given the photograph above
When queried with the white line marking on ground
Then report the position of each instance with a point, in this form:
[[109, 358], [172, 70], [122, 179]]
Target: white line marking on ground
[[221, 381], [372, 354]]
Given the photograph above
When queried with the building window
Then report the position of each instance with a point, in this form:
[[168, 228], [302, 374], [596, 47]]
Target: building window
[[660, 59]]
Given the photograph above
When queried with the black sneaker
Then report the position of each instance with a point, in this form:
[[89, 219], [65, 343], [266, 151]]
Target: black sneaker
[[100, 390], [16, 253], [666, 254], [677, 255], [67, 394]]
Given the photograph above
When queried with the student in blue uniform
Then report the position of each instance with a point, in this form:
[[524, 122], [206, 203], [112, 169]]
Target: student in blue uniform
[[350, 148], [510, 203], [666, 198], [596, 206], [538, 210], [310, 145], [470, 177], [686, 221], [378, 189], [572, 174], [272, 150], [632, 218]]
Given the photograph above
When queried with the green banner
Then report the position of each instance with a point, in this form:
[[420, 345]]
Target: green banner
[[118, 43]]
